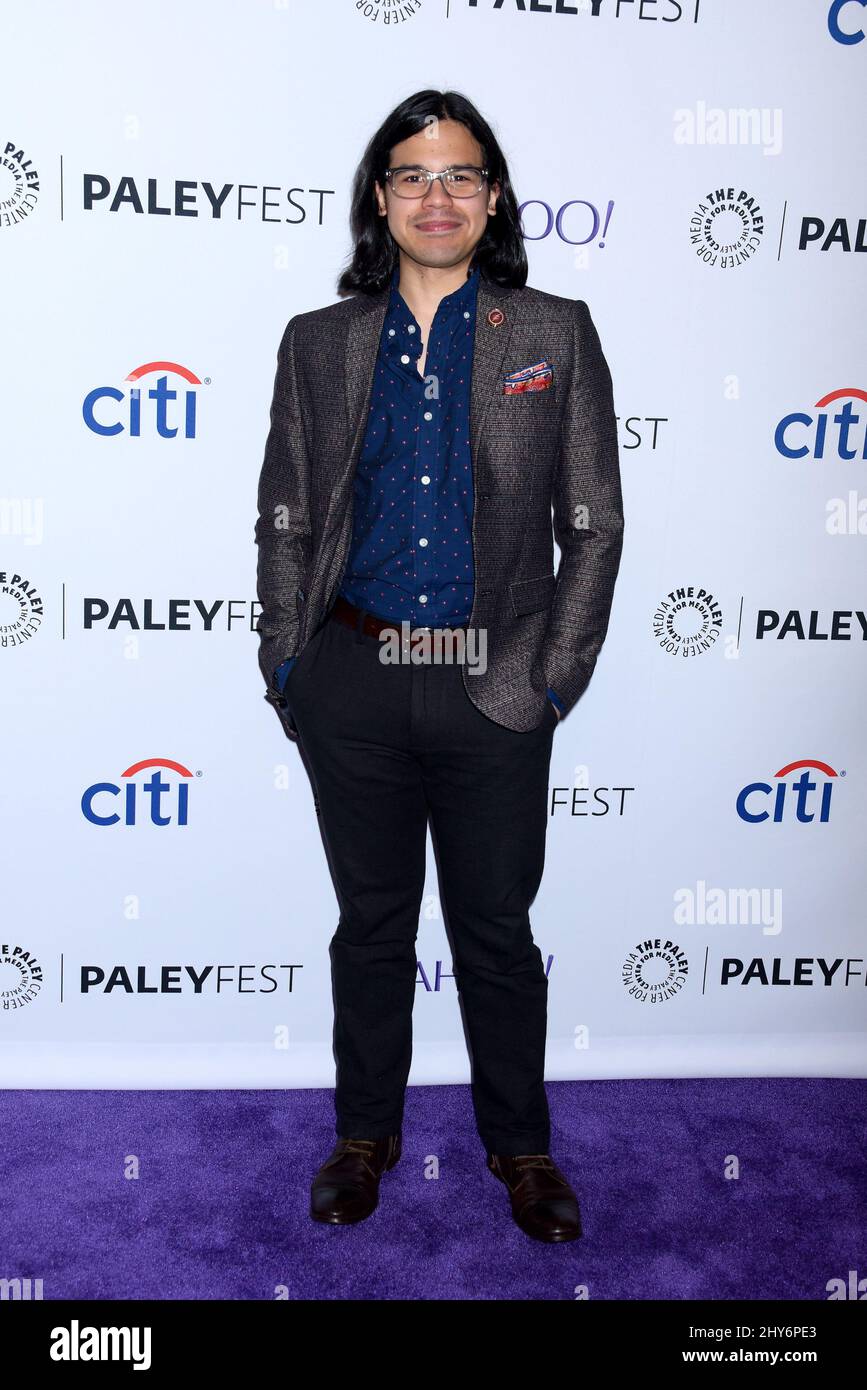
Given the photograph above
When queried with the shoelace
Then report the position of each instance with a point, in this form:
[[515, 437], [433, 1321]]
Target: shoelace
[[524, 1162], [533, 1161], [364, 1147], [358, 1145]]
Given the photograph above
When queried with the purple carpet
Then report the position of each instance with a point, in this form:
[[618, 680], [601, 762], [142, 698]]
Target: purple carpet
[[219, 1209]]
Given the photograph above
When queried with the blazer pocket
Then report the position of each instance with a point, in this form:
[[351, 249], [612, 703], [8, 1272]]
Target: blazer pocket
[[532, 595]]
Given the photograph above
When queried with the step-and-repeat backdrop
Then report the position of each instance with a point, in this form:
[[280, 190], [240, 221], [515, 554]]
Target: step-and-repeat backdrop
[[174, 186]]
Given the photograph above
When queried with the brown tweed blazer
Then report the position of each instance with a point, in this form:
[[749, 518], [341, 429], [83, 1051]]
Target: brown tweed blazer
[[541, 459]]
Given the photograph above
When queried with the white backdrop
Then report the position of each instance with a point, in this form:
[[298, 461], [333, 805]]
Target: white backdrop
[[127, 559]]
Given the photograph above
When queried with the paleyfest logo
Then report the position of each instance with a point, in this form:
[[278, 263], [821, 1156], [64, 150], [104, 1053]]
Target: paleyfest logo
[[726, 228], [20, 977], [128, 802], [21, 611], [19, 185], [820, 433], [173, 408], [687, 621]]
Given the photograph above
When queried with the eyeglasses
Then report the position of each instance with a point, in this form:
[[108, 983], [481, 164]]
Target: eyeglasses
[[459, 181]]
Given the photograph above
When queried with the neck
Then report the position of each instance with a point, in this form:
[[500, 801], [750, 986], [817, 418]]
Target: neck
[[423, 286]]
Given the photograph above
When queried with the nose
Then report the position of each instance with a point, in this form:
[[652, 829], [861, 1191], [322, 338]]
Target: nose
[[437, 195]]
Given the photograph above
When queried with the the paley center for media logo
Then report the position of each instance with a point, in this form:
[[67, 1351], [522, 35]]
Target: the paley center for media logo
[[687, 621], [19, 185], [21, 609], [727, 227], [21, 977]]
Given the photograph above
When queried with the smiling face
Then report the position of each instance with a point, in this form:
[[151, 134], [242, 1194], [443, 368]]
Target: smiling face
[[438, 230]]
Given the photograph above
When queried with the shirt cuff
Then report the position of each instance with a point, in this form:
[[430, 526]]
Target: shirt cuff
[[282, 672], [555, 699]]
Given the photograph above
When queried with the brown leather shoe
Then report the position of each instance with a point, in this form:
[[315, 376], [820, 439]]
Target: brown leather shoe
[[346, 1188], [543, 1203]]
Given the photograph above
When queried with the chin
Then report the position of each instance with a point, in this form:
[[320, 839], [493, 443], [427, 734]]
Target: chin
[[444, 254]]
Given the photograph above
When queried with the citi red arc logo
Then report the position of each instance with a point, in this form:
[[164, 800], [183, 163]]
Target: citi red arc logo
[[837, 434], [130, 802], [789, 801], [167, 409]]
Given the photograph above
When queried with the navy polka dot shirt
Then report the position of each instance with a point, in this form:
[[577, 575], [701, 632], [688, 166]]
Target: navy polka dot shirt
[[411, 556]]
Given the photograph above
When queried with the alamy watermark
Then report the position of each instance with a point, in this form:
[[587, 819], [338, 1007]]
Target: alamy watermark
[[435, 646]]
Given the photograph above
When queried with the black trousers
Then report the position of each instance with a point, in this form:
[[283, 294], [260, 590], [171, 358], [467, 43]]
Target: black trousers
[[391, 748]]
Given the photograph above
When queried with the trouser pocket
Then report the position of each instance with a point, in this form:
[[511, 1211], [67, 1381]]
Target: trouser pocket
[[302, 662]]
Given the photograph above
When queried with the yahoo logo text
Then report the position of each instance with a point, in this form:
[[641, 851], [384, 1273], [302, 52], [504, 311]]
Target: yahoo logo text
[[590, 222]]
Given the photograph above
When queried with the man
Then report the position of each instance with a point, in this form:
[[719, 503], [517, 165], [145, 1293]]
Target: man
[[421, 433]]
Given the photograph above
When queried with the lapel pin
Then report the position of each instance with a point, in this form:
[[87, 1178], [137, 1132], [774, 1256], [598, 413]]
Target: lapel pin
[[495, 317]]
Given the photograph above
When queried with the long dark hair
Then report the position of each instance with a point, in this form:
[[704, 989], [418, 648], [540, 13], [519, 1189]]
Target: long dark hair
[[500, 254]]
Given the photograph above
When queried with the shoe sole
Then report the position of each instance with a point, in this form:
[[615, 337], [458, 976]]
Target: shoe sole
[[558, 1239], [341, 1220]]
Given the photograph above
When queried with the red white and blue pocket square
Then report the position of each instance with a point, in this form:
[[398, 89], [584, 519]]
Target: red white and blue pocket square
[[538, 377]]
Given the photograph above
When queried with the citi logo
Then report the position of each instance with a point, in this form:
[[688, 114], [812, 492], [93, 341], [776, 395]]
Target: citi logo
[[77, 1343], [779, 800], [167, 409], [838, 434], [849, 31], [158, 801]]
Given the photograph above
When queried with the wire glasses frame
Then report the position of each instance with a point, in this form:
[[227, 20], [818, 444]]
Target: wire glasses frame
[[464, 180]]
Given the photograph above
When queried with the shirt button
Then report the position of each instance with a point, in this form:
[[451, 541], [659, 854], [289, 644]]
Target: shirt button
[[404, 357], [410, 328], [422, 598], [428, 415], [466, 313], [422, 540], [391, 333], [425, 479]]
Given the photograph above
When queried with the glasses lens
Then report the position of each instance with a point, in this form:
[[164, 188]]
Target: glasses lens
[[409, 183], [461, 182]]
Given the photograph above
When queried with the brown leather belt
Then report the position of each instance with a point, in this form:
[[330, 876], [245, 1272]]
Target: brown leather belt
[[347, 613]]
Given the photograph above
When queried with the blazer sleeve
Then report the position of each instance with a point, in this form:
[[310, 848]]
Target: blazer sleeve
[[588, 520], [283, 530]]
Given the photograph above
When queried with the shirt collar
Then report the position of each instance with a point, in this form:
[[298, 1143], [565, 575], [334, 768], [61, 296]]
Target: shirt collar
[[461, 298]]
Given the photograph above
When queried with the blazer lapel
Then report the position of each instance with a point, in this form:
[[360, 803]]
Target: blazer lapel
[[362, 345]]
